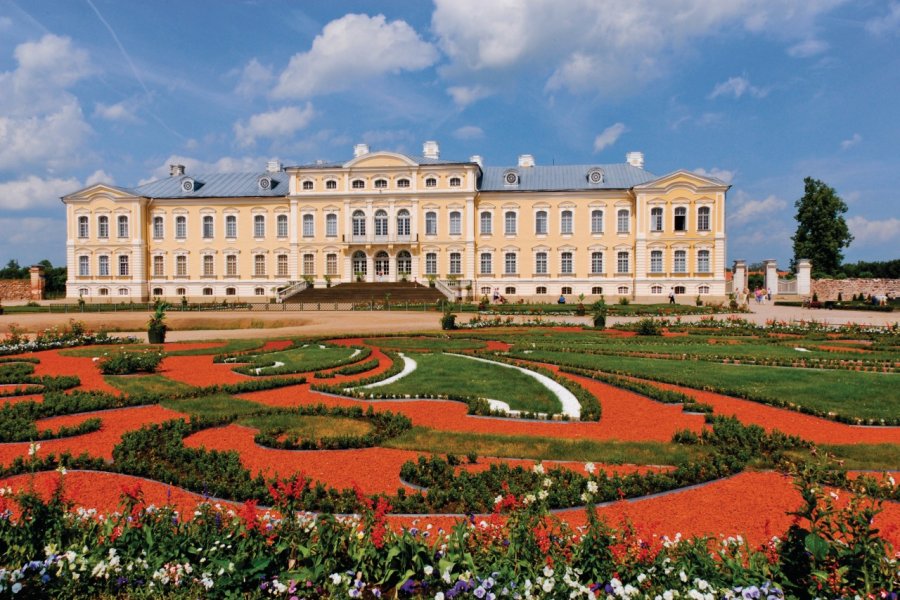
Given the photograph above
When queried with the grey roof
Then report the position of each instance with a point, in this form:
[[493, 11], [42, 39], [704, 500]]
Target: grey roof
[[419, 160], [541, 178], [216, 185]]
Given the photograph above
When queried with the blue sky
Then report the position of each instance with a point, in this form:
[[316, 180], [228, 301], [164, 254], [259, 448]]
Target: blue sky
[[760, 93]]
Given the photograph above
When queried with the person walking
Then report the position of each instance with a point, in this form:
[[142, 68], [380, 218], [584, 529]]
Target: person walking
[[671, 295]]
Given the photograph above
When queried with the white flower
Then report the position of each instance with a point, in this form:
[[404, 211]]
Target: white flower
[[585, 497], [547, 482], [668, 595], [428, 570], [547, 586], [641, 577], [592, 487], [33, 448], [548, 571], [590, 468], [542, 495], [538, 468], [439, 596], [335, 578], [498, 499]]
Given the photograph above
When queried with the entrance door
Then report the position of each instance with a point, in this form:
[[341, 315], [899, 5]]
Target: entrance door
[[382, 266], [404, 264], [359, 265]]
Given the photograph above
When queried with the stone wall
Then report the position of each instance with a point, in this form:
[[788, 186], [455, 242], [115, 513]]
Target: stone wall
[[828, 289], [15, 289]]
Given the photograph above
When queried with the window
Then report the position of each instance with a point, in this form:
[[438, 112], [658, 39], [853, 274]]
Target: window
[[431, 223], [207, 227], [431, 263], [596, 262], [403, 222], [208, 265], [309, 263], [566, 290], [455, 182], [656, 219], [622, 221], [157, 228], [681, 219], [679, 265], [359, 223], [656, 289], [486, 263], [103, 227], [259, 291], [566, 263], [485, 223], [359, 263], [331, 184], [83, 227], [104, 291], [485, 290], [703, 218], [230, 291], [207, 291], [84, 266], [231, 265], [622, 262], [455, 223], [180, 227], [596, 221], [381, 223], [281, 265], [380, 184], [180, 291], [309, 226], [431, 182], [455, 263], [679, 289], [565, 222], [307, 185], [540, 222], [123, 265], [540, 263], [103, 266], [597, 291], [509, 291], [158, 266], [123, 226], [703, 289], [281, 226], [656, 261], [703, 261], [331, 225], [509, 263], [540, 290], [622, 290], [358, 184], [259, 226], [123, 291], [403, 183], [181, 266], [404, 263], [259, 265], [331, 263], [231, 226], [509, 220], [157, 292]]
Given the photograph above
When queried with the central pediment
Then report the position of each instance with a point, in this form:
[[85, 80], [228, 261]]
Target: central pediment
[[380, 160]]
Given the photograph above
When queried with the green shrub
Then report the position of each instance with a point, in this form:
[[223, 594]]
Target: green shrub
[[649, 326], [124, 362], [448, 321]]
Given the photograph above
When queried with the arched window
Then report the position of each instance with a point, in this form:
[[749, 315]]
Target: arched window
[[382, 263], [180, 291], [309, 226], [486, 263], [703, 261], [455, 182], [656, 261], [703, 289], [703, 218], [431, 182], [431, 223], [596, 221], [123, 265], [123, 226], [681, 219], [485, 223], [566, 290], [231, 226], [359, 223], [403, 223], [679, 264], [331, 263], [623, 224], [123, 291], [565, 222], [331, 221], [623, 290], [230, 291], [381, 223], [259, 291], [181, 227], [509, 291], [509, 220], [540, 290], [510, 266], [208, 265], [540, 263], [403, 183], [157, 292], [380, 184], [181, 265], [597, 291], [656, 218], [231, 265], [622, 262], [259, 265], [679, 289], [281, 265], [656, 289], [84, 292], [157, 228], [455, 222], [404, 263], [84, 266], [358, 184], [309, 263], [596, 263], [103, 266], [103, 227], [281, 226], [540, 222], [207, 227], [83, 226], [360, 264], [259, 226], [307, 185], [566, 263], [431, 263], [331, 184], [455, 263], [207, 291], [103, 291]]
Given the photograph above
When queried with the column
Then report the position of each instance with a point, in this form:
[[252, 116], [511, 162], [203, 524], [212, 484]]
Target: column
[[739, 281], [804, 273], [771, 275], [469, 266], [294, 256]]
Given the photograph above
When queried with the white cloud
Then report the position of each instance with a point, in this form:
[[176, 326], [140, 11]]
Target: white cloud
[[749, 210], [609, 136], [255, 79], [868, 233], [283, 122], [352, 50], [807, 48], [33, 192], [469, 132], [852, 141], [889, 23], [26, 239], [51, 140], [120, 111], [583, 46], [466, 95], [737, 87], [720, 174], [99, 176]]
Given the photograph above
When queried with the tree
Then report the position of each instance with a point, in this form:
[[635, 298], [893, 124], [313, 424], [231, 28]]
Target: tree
[[821, 228]]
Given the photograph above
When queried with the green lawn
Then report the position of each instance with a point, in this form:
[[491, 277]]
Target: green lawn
[[309, 427], [442, 374], [408, 344], [134, 385], [297, 360], [522, 446], [223, 347], [875, 457], [849, 393], [216, 405]]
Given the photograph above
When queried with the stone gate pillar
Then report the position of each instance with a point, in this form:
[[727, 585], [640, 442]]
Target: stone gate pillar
[[771, 275], [37, 282], [739, 281], [804, 274]]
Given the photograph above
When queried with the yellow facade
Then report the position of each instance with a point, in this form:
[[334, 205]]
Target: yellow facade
[[384, 216]]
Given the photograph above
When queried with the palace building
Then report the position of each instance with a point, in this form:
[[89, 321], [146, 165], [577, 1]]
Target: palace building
[[526, 231]]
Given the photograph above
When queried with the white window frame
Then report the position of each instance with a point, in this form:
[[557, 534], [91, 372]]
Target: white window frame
[[259, 226], [679, 261], [596, 262], [656, 218], [623, 258], [431, 261], [309, 225], [540, 263], [103, 227], [704, 261], [181, 265], [657, 261], [486, 263], [259, 265], [84, 266], [486, 222], [704, 218], [510, 263], [566, 220], [231, 226], [122, 227], [124, 265], [281, 265], [208, 227], [431, 223], [456, 263], [159, 265], [231, 265], [597, 221], [455, 222], [567, 263], [331, 225], [541, 222], [83, 227], [209, 265], [181, 227], [282, 229], [623, 220], [510, 222]]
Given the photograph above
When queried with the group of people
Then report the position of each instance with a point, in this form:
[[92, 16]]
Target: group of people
[[761, 295]]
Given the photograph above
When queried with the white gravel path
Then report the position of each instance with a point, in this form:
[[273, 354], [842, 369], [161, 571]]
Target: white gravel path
[[409, 365], [275, 366]]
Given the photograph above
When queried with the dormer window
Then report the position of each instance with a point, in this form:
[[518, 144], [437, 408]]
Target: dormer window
[[455, 182], [403, 183], [265, 183], [380, 184], [358, 184], [595, 176], [511, 178], [331, 184], [431, 182], [187, 185], [307, 185]]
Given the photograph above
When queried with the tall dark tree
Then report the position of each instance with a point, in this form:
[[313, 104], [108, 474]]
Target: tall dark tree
[[821, 229]]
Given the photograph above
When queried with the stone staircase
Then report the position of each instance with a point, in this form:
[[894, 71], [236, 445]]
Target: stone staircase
[[398, 292]]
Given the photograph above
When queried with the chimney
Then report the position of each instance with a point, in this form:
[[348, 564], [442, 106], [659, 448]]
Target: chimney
[[176, 170], [360, 149], [431, 149], [635, 159], [274, 166], [476, 158], [526, 160]]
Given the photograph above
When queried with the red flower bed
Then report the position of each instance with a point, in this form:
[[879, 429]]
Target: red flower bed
[[53, 363], [577, 467], [177, 346], [276, 345], [199, 370]]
